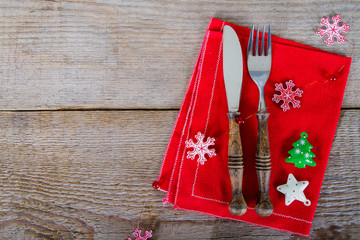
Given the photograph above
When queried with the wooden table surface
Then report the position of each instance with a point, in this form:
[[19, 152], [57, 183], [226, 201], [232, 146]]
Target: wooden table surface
[[89, 93]]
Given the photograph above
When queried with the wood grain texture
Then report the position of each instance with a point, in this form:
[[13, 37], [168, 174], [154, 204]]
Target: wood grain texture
[[237, 204], [263, 205], [88, 175], [76, 54]]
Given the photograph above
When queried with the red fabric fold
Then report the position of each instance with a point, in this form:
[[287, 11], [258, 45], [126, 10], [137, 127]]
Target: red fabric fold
[[206, 188]]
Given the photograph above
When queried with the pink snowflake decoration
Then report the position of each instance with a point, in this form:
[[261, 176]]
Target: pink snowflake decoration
[[200, 148], [333, 30], [287, 95], [137, 234]]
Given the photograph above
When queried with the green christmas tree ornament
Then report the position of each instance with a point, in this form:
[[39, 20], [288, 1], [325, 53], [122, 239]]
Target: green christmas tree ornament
[[301, 154]]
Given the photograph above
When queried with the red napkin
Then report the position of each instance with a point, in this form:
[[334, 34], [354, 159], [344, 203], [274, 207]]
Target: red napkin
[[206, 188]]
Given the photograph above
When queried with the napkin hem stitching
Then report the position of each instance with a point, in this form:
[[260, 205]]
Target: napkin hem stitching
[[278, 214], [192, 114], [181, 108], [209, 111], [257, 224], [207, 120], [196, 88]]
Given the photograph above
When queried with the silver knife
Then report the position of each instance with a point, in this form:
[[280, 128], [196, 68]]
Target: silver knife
[[233, 75]]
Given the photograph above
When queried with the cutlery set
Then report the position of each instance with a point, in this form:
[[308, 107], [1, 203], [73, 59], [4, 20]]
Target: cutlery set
[[259, 66]]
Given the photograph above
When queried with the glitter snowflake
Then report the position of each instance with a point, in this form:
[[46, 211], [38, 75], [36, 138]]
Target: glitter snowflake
[[287, 95], [200, 148], [333, 30], [137, 234]]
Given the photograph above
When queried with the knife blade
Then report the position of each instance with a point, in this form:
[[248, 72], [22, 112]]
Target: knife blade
[[233, 68], [233, 74]]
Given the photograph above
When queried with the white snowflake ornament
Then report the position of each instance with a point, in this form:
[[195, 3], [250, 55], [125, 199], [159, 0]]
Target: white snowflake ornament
[[294, 190], [137, 234], [333, 30], [287, 95], [200, 148]]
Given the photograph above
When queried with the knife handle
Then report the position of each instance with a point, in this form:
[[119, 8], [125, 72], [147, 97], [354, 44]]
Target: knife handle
[[237, 204], [263, 206]]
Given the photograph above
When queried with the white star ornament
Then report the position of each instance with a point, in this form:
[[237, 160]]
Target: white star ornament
[[294, 190]]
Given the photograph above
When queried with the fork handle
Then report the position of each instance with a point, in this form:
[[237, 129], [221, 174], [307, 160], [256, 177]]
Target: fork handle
[[263, 206], [237, 204]]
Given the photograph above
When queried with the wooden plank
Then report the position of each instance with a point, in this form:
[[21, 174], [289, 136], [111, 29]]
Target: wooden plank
[[88, 174], [136, 54]]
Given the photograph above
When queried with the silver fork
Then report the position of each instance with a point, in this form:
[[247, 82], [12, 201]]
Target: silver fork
[[259, 66]]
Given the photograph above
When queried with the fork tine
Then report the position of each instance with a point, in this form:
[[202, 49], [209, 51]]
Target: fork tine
[[269, 42], [250, 44], [262, 42], [257, 42]]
